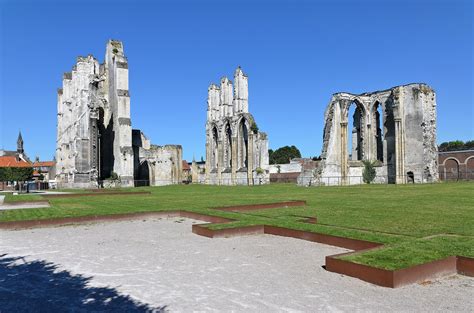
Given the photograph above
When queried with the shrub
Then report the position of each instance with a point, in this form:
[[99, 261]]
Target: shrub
[[113, 177], [369, 173], [254, 128]]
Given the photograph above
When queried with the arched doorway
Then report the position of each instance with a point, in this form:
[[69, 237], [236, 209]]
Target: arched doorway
[[228, 146], [451, 169], [215, 148], [470, 168], [243, 141], [378, 132], [143, 174], [355, 131], [389, 137]]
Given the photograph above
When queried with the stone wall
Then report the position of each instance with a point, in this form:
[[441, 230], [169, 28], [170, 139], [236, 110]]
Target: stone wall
[[236, 151], [94, 128], [456, 165], [396, 128]]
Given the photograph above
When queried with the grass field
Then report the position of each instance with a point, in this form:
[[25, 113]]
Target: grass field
[[418, 223]]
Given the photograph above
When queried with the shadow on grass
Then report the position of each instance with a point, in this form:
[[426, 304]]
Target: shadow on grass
[[38, 286]]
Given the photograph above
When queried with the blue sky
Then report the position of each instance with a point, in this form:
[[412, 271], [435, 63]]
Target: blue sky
[[296, 53]]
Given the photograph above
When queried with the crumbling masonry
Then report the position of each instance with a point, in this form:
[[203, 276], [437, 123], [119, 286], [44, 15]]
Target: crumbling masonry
[[94, 132], [395, 128], [236, 151]]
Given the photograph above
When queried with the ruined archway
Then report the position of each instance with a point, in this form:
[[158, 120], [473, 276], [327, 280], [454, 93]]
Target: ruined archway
[[378, 131], [227, 146], [390, 142], [355, 118], [243, 141], [215, 148], [470, 168], [143, 174]]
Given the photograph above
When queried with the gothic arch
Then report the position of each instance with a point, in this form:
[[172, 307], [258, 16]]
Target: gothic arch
[[242, 143], [452, 158], [356, 133], [214, 146], [227, 142], [470, 167], [378, 130], [144, 174]]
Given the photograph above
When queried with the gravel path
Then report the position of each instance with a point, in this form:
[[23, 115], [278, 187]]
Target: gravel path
[[160, 264]]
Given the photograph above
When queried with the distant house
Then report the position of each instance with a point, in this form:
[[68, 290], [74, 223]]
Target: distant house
[[186, 172], [44, 170], [198, 171], [11, 161]]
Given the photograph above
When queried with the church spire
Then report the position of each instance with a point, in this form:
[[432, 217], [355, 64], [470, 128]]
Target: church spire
[[19, 143]]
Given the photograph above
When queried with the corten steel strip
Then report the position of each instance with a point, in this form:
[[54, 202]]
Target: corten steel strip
[[465, 266], [377, 276], [424, 271]]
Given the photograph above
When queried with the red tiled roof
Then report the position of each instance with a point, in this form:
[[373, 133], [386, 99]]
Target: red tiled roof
[[11, 161], [44, 164], [186, 165]]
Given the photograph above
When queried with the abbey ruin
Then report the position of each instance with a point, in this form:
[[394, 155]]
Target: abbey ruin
[[95, 141], [236, 151], [394, 128]]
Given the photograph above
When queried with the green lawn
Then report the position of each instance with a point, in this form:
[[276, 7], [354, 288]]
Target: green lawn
[[400, 216]]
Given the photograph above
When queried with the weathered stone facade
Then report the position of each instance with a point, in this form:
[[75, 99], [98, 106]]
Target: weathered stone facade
[[395, 127], [94, 132], [236, 152]]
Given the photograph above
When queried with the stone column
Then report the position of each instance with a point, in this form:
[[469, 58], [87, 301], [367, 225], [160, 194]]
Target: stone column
[[399, 152], [208, 162], [344, 151], [370, 143], [234, 159], [250, 156], [220, 160]]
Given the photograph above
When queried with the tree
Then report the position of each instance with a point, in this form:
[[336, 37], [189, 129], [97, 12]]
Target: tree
[[18, 174], [283, 155], [369, 173], [456, 145]]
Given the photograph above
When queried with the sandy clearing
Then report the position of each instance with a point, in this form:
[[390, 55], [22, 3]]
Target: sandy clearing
[[160, 263]]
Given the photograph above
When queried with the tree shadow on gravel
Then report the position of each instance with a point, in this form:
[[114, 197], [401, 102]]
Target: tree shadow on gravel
[[38, 286]]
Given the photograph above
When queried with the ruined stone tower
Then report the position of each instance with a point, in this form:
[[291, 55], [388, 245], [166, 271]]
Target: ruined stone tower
[[94, 132], [236, 151], [395, 128]]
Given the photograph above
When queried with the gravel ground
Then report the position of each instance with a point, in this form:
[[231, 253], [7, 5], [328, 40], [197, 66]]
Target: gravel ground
[[159, 264]]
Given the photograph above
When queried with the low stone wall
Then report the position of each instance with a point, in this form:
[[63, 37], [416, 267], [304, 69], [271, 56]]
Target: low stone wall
[[284, 177]]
